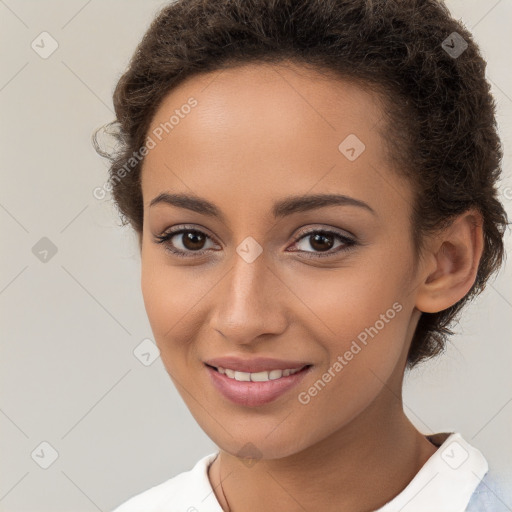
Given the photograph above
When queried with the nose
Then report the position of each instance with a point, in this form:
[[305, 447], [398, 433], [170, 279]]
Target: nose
[[250, 302]]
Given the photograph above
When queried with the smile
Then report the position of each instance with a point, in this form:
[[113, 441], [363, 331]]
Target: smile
[[255, 389], [262, 376]]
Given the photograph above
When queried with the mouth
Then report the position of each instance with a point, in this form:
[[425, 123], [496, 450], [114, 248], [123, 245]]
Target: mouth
[[261, 376], [255, 389]]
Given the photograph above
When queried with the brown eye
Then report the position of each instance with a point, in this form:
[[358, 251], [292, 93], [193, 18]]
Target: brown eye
[[184, 242], [323, 241], [193, 240]]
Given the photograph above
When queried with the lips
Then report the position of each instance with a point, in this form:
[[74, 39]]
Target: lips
[[254, 394], [256, 364]]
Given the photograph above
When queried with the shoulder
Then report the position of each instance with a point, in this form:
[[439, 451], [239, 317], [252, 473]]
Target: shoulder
[[455, 478], [189, 491], [493, 494]]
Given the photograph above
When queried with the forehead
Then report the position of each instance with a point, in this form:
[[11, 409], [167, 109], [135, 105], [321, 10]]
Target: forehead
[[262, 131], [263, 100]]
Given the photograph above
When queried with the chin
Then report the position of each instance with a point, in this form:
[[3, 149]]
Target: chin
[[253, 444]]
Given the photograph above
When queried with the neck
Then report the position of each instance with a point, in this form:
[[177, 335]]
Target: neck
[[358, 468]]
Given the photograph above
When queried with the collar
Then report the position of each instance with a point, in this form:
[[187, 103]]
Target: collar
[[446, 481]]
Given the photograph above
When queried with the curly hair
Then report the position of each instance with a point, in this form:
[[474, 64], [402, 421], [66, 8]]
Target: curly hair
[[439, 111]]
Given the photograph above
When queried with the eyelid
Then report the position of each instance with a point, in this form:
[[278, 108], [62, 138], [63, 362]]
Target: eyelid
[[186, 227], [167, 234], [347, 243], [331, 230]]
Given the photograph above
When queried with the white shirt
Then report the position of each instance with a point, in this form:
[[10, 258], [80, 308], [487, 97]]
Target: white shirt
[[446, 483]]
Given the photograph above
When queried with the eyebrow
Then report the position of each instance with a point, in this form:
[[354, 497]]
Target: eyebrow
[[282, 208]]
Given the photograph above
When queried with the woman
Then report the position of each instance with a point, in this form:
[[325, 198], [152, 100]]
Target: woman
[[313, 185]]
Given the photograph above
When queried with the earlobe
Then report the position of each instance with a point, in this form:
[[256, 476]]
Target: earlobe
[[452, 264]]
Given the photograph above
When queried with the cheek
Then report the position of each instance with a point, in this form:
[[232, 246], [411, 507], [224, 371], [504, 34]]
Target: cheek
[[158, 300], [359, 314], [164, 308], [166, 297], [346, 301], [363, 333], [173, 298]]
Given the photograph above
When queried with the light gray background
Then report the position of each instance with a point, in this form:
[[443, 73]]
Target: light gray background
[[70, 325]]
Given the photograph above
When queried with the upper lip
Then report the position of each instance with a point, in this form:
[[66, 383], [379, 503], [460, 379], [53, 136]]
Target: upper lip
[[255, 364]]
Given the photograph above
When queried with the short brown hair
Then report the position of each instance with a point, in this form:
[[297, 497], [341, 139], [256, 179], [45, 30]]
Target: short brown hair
[[441, 114]]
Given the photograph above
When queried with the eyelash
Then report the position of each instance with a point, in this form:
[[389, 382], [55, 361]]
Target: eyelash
[[165, 238]]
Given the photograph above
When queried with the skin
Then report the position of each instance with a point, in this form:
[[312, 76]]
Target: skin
[[260, 133]]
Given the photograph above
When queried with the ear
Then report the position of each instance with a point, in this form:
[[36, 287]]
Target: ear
[[451, 263]]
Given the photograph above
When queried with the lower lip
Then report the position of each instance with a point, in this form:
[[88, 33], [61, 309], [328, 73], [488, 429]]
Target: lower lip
[[254, 394]]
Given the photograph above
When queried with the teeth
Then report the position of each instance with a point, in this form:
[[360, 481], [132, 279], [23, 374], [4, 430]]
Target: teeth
[[258, 376], [243, 376]]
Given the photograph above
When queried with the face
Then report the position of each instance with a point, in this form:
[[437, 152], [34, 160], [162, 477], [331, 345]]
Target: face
[[252, 269]]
